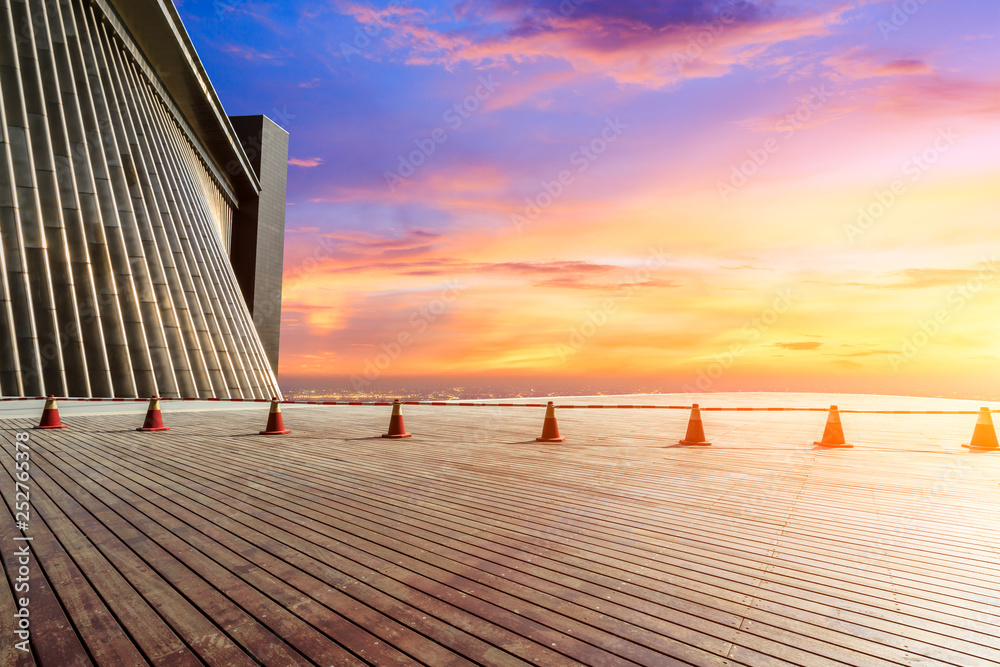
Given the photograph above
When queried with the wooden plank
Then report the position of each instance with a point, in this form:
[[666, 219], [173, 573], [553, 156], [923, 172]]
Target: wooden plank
[[415, 579], [271, 614], [470, 541], [369, 586], [610, 582], [208, 558], [720, 648], [144, 626], [859, 630], [731, 554], [205, 634]]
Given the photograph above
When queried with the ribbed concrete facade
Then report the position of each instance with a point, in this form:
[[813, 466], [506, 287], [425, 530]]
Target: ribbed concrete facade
[[115, 214]]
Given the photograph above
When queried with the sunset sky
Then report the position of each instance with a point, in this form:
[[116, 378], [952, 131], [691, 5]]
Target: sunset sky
[[714, 195]]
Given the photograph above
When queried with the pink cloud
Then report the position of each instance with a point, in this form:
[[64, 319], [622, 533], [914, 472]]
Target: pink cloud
[[305, 161], [938, 96], [630, 50], [863, 81], [370, 15], [911, 66], [858, 63]]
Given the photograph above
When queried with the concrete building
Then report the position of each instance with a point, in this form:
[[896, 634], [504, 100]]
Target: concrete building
[[259, 230], [124, 192]]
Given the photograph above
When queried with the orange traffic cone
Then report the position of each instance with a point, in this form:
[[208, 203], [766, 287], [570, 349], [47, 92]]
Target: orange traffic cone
[[550, 427], [50, 414], [154, 418], [985, 435], [275, 423], [696, 431], [833, 434], [397, 429]]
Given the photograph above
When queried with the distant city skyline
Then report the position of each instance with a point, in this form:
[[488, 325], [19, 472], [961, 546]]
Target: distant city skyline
[[709, 195], [437, 388]]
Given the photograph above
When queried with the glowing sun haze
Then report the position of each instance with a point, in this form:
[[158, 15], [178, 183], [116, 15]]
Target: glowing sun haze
[[721, 195]]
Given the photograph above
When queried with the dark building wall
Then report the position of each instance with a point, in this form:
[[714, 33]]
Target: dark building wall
[[258, 235]]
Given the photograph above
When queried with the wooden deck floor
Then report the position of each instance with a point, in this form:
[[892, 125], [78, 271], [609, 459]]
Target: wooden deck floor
[[472, 544]]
